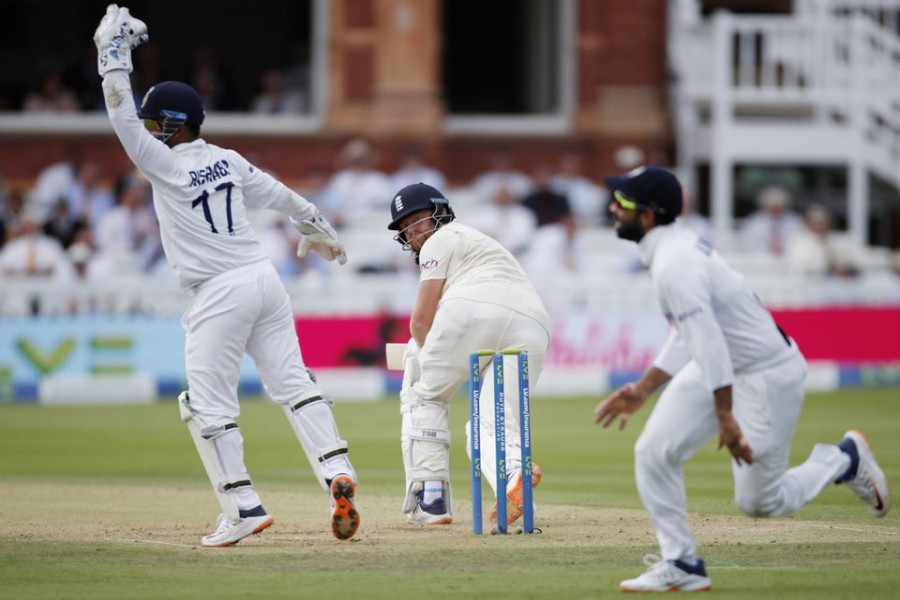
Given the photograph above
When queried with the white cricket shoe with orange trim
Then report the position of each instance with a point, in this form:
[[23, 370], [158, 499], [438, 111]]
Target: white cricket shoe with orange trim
[[229, 534]]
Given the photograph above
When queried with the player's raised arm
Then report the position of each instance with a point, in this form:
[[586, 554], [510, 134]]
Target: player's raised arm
[[116, 36]]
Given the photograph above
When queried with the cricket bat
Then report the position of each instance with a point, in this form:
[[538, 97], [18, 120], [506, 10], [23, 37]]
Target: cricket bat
[[394, 356]]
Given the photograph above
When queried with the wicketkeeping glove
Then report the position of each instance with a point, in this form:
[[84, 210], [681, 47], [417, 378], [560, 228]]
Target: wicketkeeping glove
[[319, 235], [115, 37]]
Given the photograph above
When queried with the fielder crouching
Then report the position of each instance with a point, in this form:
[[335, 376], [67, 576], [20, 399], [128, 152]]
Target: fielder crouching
[[472, 295], [238, 303], [732, 373]]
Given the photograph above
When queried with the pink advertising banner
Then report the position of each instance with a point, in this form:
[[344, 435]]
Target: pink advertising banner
[[616, 342]]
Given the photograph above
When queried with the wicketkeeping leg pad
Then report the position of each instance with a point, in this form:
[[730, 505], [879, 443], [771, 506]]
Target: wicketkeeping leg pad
[[220, 447], [313, 423]]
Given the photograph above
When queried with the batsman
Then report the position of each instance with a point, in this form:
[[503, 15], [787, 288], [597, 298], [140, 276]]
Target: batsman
[[472, 295], [238, 303]]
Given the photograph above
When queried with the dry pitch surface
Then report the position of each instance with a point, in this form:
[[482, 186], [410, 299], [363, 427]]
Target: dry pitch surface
[[59, 512]]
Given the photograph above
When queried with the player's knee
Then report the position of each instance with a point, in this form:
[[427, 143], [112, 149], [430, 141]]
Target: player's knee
[[649, 453], [754, 504]]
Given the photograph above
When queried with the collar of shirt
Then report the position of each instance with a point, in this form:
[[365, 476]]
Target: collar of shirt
[[188, 145], [648, 244]]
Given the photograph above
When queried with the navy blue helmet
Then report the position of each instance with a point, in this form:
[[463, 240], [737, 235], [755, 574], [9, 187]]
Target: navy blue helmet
[[172, 99], [416, 197]]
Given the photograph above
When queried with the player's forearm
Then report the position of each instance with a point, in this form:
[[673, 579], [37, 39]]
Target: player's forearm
[[419, 331], [119, 103], [651, 380], [723, 400]]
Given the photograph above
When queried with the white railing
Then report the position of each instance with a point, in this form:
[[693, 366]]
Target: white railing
[[828, 72], [823, 61], [314, 295]]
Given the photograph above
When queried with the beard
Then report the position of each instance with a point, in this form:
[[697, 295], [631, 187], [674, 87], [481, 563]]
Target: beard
[[629, 230]]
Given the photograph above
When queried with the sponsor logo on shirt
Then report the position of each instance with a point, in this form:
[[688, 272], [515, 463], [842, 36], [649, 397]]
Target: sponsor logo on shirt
[[429, 264], [684, 316], [210, 173]]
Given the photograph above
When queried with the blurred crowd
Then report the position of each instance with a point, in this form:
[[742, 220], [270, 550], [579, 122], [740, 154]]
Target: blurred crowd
[[73, 225], [71, 85]]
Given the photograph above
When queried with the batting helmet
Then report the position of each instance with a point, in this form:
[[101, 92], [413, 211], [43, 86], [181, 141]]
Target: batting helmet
[[174, 100], [416, 197]]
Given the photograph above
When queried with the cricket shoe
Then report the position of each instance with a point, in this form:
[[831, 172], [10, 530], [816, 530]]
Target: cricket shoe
[[344, 516], [668, 576], [515, 502], [864, 477], [434, 513], [228, 533]]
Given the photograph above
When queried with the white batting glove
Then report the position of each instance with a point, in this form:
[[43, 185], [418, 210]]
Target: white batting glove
[[116, 35], [319, 235]]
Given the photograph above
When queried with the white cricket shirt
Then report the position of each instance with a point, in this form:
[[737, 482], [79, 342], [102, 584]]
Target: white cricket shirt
[[716, 319], [200, 192], [476, 267]]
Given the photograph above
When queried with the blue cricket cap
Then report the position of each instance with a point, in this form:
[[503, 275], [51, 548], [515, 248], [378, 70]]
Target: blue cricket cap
[[651, 187]]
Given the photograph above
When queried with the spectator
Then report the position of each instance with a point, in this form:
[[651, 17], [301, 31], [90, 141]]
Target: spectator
[[209, 79], [549, 207], [415, 169], [587, 199], [509, 222], [628, 157], [32, 254], [85, 72], [296, 75], [771, 227], [357, 189], [145, 75], [88, 198], [53, 183], [818, 252], [80, 254], [51, 96], [61, 225], [552, 246], [125, 228], [275, 98], [693, 220], [502, 178], [11, 216]]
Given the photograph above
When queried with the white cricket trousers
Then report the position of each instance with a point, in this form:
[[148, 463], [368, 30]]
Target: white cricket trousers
[[766, 405], [464, 326], [245, 310], [242, 311]]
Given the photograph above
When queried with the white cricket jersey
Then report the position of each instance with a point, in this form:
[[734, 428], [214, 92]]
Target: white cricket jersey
[[476, 267], [716, 318], [200, 192]]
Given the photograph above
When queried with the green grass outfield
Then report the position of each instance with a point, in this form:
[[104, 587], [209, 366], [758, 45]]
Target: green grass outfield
[[111, 502]]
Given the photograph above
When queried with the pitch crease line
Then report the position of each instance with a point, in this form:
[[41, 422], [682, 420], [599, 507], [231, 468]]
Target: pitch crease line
[[854, 529], [150, 542]]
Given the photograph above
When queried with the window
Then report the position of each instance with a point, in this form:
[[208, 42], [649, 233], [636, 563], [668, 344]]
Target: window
[[508, 65], [229, 51]]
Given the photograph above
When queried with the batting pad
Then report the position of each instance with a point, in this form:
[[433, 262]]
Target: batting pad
[[425, 444]]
